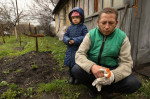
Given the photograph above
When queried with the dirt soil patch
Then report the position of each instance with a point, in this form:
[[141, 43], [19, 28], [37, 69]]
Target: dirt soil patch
[[29, 69]]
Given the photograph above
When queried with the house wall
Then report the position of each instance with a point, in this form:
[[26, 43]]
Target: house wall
[[60, 20], [143, 36], [68, 9], [91, 13], [61, 17], [56, 22]]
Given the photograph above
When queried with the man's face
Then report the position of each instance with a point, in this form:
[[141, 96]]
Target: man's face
[[76, 19], [107, 23]]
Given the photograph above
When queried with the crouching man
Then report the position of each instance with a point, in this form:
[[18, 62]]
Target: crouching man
[[104, 48]]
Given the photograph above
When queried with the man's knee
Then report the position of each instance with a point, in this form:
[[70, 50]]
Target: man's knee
[[76, 69], [132, 84]]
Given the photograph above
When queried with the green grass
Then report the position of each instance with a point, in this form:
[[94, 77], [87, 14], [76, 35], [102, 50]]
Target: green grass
[[58, 86], [11, 47], [18, 70], [34, 66], [28, 43], [145, 89], [62, 87], [3, 83], [5, 71]]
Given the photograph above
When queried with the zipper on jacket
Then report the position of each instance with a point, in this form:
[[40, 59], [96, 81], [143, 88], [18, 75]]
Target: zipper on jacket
[[101, 49], [72, 48]]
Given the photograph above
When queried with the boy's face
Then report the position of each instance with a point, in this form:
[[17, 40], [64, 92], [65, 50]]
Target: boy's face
[[76, 19]]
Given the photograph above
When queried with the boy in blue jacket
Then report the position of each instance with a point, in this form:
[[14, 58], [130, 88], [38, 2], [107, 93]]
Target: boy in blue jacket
[[73, 38]]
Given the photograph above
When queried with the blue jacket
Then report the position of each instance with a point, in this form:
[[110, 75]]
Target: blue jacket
[[76, 33]]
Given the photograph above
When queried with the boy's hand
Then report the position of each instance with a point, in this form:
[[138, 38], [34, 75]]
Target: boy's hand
[[71, 42]]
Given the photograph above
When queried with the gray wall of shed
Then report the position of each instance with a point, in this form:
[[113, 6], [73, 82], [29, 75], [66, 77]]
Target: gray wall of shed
[[143, 33]]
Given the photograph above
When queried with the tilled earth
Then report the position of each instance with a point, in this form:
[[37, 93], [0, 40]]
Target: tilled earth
[[29, 69]]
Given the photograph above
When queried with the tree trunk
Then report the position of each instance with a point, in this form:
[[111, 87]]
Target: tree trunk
[[16, 34], [2, 33]]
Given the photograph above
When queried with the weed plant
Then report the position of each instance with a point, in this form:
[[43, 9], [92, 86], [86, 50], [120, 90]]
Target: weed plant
[[18, 70]]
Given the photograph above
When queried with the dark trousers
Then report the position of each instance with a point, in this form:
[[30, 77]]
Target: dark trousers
[[126, 86], [70, 68]]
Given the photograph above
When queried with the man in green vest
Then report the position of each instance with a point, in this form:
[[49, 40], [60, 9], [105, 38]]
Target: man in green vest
[[103, 60]]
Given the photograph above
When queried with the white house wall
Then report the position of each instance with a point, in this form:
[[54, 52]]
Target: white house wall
[[107, 3], [118, 3], [100, 5], [81, 3], [57, 22], [91, 7], [86, 8]]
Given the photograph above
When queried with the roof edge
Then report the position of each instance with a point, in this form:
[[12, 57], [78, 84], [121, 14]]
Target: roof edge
[[59, 5]]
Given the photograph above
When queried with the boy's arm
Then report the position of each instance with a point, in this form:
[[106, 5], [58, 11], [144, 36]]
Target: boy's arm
[[78, 40], [66, 38]]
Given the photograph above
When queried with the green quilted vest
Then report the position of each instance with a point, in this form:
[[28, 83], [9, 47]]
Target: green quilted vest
[[111, 48]]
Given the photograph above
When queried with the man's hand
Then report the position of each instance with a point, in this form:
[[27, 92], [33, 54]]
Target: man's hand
[[99, 87], [71, 42], [96, 71], [106, 80]]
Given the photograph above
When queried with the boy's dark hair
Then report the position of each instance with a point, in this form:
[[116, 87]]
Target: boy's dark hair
[[109, 10]]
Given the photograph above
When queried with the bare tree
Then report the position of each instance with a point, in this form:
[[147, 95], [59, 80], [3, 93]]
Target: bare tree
[[8, 16], [41, 10]]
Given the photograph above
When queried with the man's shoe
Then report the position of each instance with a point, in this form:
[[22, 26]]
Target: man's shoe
[[71, 80], [92, 94]]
